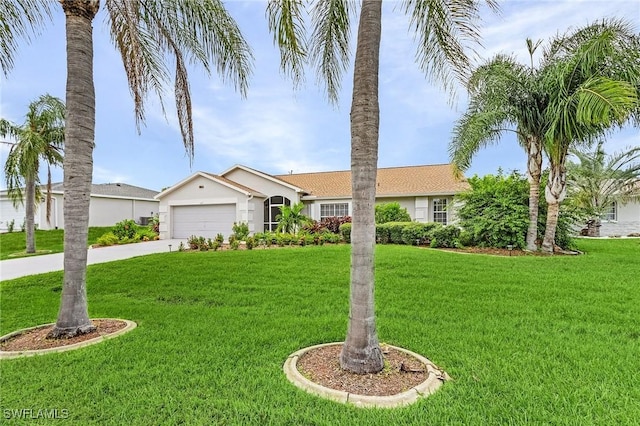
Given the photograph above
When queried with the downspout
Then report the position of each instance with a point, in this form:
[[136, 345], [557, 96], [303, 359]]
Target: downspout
[[55, 212], [247, 207]]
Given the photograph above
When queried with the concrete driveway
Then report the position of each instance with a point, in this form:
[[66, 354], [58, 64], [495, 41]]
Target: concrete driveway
[[23, 266]]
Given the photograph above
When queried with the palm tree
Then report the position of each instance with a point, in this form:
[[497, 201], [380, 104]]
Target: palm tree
[[593, 82], [147, 33], [291, 218], [505, 97], [40, 138], [443, 28], [598, 180]]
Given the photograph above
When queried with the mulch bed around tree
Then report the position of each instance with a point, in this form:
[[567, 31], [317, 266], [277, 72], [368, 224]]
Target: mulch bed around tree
[[401, 372], [36, 338]]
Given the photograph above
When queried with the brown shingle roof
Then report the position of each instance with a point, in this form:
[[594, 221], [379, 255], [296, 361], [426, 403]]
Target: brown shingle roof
[[393, 181]]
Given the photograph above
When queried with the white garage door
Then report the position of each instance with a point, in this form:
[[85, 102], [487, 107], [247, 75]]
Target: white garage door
[[203, 221]]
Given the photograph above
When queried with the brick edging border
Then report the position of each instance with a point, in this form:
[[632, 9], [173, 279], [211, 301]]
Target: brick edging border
[[21, 354]]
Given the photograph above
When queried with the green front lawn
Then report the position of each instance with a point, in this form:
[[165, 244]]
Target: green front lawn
[[527, 340], [51, 241]]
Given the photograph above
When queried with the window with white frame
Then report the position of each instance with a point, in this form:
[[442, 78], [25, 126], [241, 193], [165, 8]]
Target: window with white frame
[[440, 210], [334, 210], [272, 210], [611, 213]]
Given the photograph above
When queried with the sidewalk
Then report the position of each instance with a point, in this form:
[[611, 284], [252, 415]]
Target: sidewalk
[[23, 266]]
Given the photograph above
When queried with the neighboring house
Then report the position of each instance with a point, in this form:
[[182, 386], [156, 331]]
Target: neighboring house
[[206, 204], [110, 203], [621, 219]]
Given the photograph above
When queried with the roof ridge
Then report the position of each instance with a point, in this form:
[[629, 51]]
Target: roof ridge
[[349, 171]]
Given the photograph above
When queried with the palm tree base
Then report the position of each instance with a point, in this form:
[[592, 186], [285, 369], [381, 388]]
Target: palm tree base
[[69, 332]]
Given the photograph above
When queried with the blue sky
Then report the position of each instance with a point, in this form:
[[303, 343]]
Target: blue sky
[[277, 129]]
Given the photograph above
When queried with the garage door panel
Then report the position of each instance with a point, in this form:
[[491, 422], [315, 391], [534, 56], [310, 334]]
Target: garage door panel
[[206, 221]]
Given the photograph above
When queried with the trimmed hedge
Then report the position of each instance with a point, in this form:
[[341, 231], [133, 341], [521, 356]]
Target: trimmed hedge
[[410, 233]]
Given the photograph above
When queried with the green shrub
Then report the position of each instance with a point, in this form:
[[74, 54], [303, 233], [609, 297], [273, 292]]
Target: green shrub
[[240, 230], [235, 244], [305, 239], [415, 233], [446, 237], [395, 231], [220, 238], [495, 210], [345, 232], [391, 212], [250, 242], [10, 225], [125, 230], [198, 243], [154, 224], [107, 239], [330, 237], [144, 233]]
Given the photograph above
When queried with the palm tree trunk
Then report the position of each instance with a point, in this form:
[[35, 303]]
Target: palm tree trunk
[[534, 171], [555, 192], [73, 317], [550, 231], [593, 227], [361, 351], [29, 207]]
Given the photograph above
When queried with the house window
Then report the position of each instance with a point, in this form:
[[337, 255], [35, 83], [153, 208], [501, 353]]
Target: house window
[[611, 213], [272, 210], [334, 210], [440, 210]]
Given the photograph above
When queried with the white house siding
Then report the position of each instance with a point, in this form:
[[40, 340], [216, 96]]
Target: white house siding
[[263, 185], [8, 213], [107, 211], [419, 208], [200, 191], [56, 218], [254, 216], [408, 203], [103, 211], [312, 207], [628, 220]]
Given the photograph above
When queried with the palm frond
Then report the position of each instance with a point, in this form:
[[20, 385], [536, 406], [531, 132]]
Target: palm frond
[[474, 131], [604, 101], [330, 43], [19, 20], [286, 22], [41, 137], [446, 29], [148, 33]]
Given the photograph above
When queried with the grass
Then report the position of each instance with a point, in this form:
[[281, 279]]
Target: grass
[[527, 340], [50, 241]]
